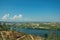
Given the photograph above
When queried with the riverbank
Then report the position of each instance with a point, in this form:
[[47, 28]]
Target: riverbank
[[13, 35]]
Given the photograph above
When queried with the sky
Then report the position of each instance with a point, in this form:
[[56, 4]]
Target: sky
[[30, 10]]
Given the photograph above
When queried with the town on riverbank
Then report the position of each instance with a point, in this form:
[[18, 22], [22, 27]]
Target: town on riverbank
[[34, 25]]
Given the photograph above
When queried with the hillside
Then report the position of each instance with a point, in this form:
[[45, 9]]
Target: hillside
[[12, 35]]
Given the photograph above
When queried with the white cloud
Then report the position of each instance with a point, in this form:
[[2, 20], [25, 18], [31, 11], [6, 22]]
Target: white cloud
[[20, 16], [8, 17], [17, 17], [5, 16]]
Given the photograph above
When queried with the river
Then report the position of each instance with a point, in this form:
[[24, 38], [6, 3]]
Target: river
[[35, 31]]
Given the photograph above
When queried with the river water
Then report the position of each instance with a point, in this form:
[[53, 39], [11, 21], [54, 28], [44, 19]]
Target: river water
[[35, 31]]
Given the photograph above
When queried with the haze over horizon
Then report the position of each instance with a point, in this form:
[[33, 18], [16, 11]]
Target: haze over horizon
[[30, 10]]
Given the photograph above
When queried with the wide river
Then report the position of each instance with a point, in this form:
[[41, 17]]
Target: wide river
[[35, 31]]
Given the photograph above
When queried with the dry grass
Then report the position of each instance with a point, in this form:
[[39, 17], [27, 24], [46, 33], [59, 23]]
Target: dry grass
[[12, 35]]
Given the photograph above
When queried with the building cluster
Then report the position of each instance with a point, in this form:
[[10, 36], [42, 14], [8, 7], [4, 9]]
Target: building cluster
[[32, 24]]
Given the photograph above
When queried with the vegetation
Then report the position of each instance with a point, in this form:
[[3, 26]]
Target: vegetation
[[13, 35], [51, 36]]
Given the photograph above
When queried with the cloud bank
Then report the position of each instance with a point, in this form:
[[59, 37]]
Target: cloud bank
[[5, 16], [17, 16], [8, 17]]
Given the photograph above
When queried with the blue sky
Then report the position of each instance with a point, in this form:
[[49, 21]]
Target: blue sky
[[30, 10]]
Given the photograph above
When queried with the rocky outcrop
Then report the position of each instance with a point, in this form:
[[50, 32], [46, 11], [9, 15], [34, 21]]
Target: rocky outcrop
[[12, 35]]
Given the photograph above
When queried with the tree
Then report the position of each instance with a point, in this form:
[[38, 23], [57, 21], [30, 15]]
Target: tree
[[3, 27]]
